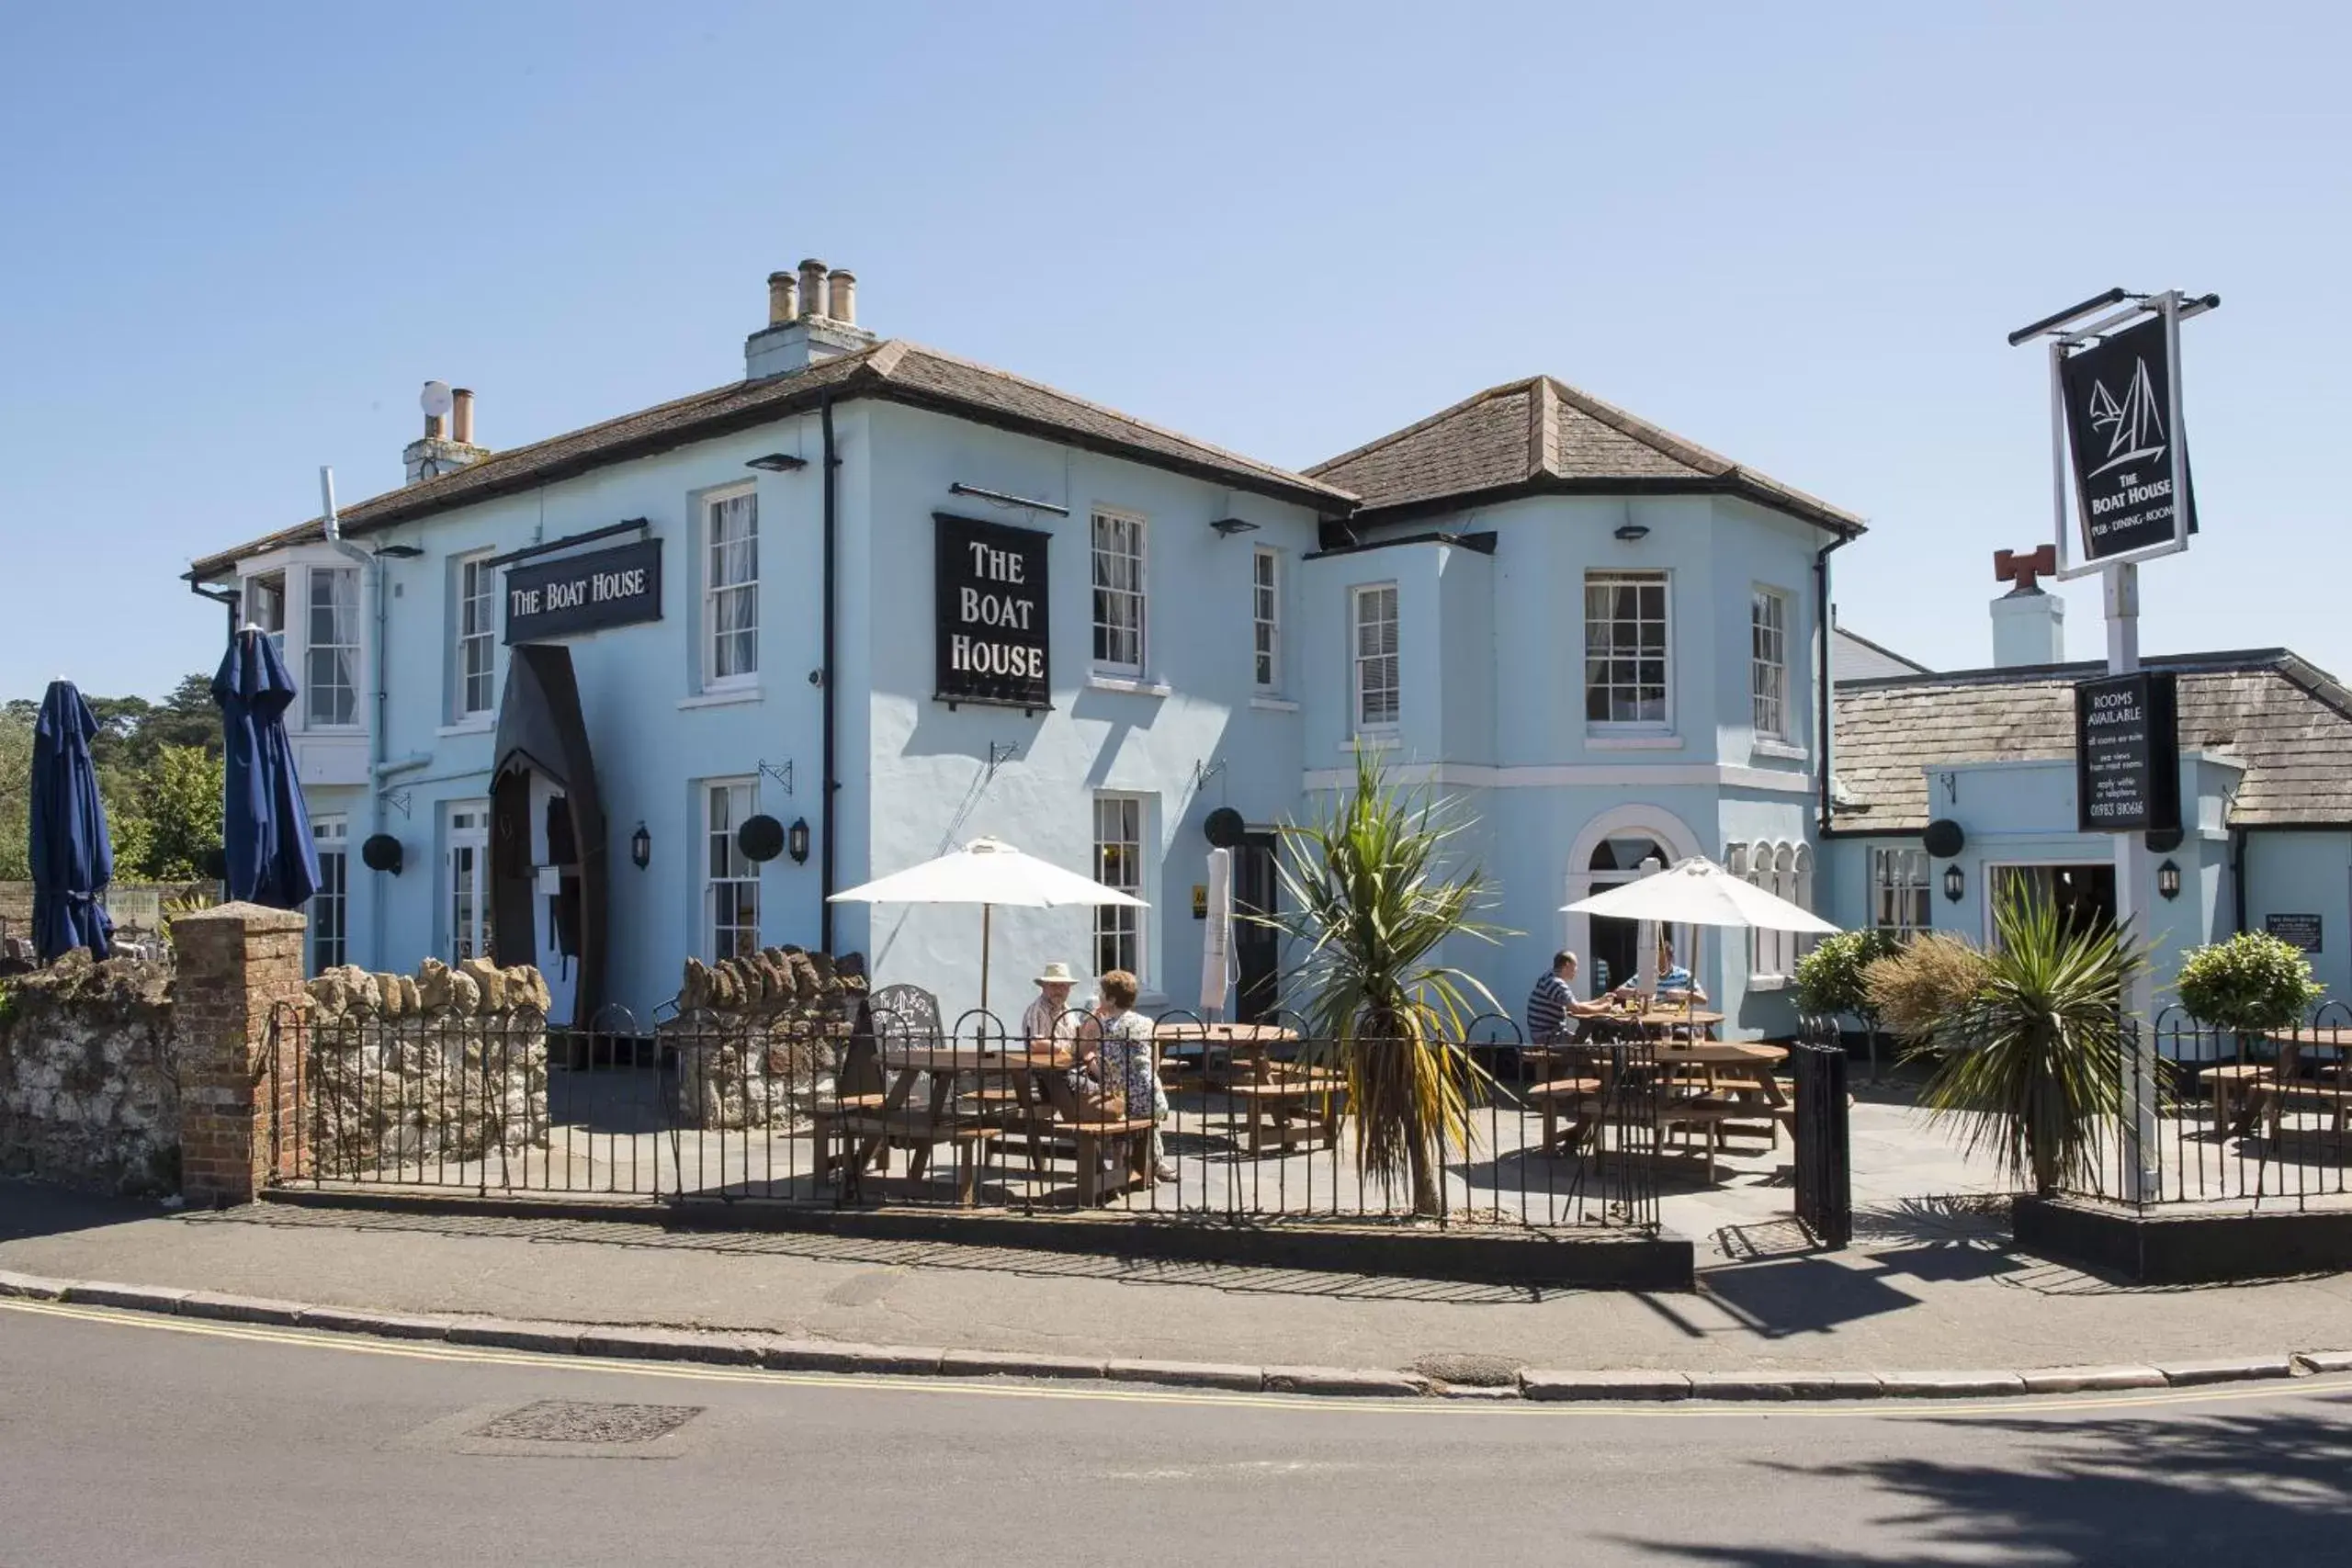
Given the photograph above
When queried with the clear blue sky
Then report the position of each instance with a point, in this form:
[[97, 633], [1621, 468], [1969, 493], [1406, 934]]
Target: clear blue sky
[[238, 237]]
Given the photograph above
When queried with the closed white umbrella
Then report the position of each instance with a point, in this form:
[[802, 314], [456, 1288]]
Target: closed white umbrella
[[1217, 939], [987, 871], [1698, 891]]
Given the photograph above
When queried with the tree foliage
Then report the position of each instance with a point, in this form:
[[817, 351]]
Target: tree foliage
[[2253, 983], [159, 766], [1829, 978], [2031, 1065], [1371, 900]]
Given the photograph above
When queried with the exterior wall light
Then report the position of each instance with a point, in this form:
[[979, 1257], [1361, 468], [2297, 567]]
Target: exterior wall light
[[796, 841], [641, 846], [1229, 526], [1634, 532], [2169, 880], [1955, 882]]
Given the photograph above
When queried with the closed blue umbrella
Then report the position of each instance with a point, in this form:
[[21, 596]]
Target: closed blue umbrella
[[72, 861], [265, 828]]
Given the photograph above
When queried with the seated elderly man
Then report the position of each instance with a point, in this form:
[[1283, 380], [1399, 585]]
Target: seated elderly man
[[1050, 1019]]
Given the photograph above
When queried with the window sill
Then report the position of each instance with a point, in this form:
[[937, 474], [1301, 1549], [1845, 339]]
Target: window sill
[[1607, 742], [326, 731], [1765, 747], [481, 726], [1769, 982], [1133, 686], [1378, 742], [1266, 702], [725, 696]]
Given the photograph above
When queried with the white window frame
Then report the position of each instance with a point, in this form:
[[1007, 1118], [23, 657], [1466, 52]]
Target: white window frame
[[465, 870], [1895, 897], [1266, 619], [468, 636], [1122, 843], [726, 870], [1361, 663], [329, 906], [262, 601], [1106, 591], [1768, 663], [315, 690], [1605, 655], [745, 589], [1784, 869]]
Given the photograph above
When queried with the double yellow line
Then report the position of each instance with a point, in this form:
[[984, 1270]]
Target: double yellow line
[[427, 1350]]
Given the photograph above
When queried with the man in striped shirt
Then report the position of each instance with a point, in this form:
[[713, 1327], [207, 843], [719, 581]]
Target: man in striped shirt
[[1553, 1002]]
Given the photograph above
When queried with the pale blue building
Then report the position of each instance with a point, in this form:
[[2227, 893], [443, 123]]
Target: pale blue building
[[1051, 622]]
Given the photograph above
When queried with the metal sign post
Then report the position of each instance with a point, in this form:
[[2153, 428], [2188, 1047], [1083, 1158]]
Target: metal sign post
[[2116, 506]]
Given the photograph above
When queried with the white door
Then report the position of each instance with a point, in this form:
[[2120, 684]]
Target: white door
[[465, 881]]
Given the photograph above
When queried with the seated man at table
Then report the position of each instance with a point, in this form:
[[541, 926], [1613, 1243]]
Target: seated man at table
[[1050, 1019], [1676, 985], [1553, 1002]]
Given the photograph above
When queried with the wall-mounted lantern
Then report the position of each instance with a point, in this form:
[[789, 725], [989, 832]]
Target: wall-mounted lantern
[[1955, 882], [641, 846], [796, 841], [2169, 880]]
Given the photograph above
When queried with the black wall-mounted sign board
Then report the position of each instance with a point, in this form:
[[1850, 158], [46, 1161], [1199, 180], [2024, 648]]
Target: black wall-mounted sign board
[[2301, 929], [993, 645], [619, 587], [2127, 753]]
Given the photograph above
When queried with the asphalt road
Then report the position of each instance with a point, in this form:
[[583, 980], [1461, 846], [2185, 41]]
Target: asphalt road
[[130, 1440]]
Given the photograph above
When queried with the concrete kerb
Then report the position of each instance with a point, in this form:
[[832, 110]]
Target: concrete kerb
[[778, 1353]]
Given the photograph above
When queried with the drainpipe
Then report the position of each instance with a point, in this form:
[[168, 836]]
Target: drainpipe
[[825, 807], [373, 565], [2237, 876], [1821, 677]]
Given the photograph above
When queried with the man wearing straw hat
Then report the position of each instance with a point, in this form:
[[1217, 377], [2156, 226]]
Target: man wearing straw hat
[[1050, 1020]]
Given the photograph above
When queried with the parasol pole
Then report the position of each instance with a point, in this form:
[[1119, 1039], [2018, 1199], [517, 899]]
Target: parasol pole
[[986, 910]]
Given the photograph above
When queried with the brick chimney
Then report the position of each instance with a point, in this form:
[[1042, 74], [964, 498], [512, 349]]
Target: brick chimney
[[443, 450], [812, 317], [2029, 621]]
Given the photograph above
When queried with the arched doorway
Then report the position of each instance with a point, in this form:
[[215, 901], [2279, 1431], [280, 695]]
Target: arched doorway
[[1609, 851]]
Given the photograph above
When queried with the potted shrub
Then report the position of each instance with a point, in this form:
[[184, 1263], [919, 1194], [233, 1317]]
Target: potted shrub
[[2251, 985], [1830, 979], [1917, 989], [1371, 904], [2031, 1062]]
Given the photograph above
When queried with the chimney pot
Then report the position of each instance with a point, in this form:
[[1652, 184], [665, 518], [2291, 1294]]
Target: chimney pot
[[812, 289], [433, 431], [784, 299], [461, 415], [843, 288]]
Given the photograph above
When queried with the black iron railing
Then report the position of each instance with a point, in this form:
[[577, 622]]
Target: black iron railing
[[844, 1108], [2255, 1119], [1825, 1156]]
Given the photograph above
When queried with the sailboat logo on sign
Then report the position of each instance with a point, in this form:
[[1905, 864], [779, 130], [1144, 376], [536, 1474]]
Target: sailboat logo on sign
[[2134, 427]]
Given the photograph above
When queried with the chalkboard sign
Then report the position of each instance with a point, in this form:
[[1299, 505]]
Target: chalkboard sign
[[585, 593], [992, 614], [2122, 425], [2301, 929], [2127, 753]]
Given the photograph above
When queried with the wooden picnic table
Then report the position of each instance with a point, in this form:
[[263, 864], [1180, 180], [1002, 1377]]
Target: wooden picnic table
[[875, 1123], [1250, 1043], [1718, 1086]]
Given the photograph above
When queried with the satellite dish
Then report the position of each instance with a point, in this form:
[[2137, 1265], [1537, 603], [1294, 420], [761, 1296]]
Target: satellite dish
[[435, 399]]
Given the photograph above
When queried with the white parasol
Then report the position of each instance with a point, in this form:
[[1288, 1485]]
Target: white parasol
[[1698, 891], [987, 871]]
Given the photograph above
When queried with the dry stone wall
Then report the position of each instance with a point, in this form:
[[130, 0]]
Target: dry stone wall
[[758, 1040], [89, 1082], [411, 1071]]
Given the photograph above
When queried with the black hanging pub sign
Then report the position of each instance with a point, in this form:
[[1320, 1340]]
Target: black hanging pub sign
[[2122, 425], [992, 610], [2127, 753]]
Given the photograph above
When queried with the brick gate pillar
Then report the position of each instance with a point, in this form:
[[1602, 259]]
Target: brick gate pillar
[[237, 964]]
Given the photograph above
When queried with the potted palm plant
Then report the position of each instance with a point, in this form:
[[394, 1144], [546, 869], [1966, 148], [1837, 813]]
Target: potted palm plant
[[2030, 1059], [1371, 905]]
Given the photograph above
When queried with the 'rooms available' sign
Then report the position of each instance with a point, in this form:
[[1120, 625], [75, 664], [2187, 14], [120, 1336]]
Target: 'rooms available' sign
[[992, 614]]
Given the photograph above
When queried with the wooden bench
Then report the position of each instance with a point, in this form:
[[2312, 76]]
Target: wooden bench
[[865, 1137], [1555, 1096], [2241, 1081], [1121, 1143], [1297, 1107]]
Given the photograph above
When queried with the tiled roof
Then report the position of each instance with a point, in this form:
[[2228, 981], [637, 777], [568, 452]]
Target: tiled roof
[[1541, 434], [2289, 722], [895, 370]]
